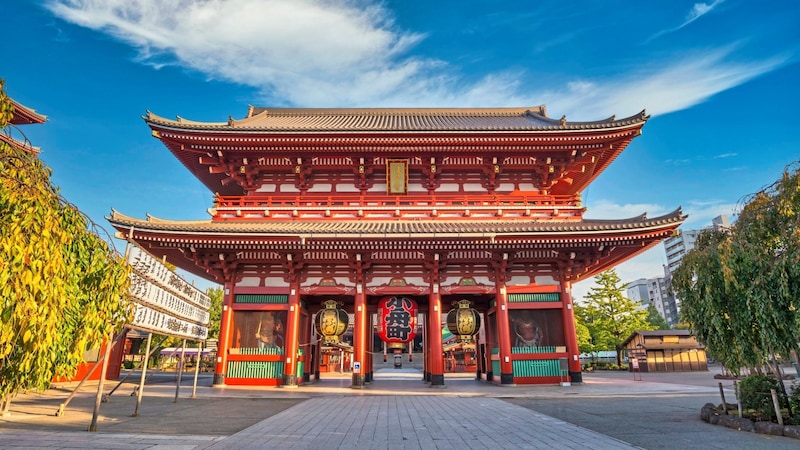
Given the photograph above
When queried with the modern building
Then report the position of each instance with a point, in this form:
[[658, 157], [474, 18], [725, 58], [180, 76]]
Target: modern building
[[654, 291], [397, 216], [676, 247]]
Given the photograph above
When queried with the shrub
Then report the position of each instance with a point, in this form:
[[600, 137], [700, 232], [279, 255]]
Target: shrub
[[794, 402], [756, 398]]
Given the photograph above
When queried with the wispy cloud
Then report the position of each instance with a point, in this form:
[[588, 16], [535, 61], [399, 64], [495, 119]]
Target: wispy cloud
[[698, 10], [606, 209], [351, 53], [724, 155]]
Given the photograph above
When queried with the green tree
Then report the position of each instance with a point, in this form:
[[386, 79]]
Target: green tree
[[63, 288], [214, 311], [585, 344], [740, 289], [655, 319], [609, 315]]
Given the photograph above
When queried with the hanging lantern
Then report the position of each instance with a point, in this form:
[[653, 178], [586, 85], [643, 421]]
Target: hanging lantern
[[331, 322], [464, 322], [397, 319]]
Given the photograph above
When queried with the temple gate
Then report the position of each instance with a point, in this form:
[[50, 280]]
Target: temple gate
[[434, 205]]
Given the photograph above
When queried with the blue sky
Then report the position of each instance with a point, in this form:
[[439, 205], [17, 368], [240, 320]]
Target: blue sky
[[719, 78]]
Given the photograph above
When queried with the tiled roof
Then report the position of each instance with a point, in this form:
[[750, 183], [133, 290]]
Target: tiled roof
[[24, 115], [396, 120], [394, 228]]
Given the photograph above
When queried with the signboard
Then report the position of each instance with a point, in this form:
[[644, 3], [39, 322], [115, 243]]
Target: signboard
[[356, 367], [397, 319], [635, 363], [164, 302]]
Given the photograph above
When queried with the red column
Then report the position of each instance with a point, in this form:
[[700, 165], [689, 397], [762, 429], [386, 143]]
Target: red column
[[359, 337], [292, 342], [504, 334], [435, 338], [225, 335], [368, 370], [571, 335], [426, 349]]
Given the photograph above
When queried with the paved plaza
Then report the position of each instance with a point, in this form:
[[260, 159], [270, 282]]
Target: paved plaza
[[397, 411]]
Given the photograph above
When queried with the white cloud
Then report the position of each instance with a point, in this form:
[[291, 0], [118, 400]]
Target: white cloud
[[606, 209], [350, 53], [698, 10], [663, 87], [649, 264]]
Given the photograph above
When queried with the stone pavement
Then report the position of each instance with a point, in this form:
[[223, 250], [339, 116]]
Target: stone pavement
[[397, 411]]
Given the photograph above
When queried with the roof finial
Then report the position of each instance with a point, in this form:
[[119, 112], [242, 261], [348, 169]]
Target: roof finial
[[230, 121], [563, 121]]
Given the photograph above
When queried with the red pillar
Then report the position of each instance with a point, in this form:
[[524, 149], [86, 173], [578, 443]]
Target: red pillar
[[571, 335], [292, 342], [435, 338], [504, 334], [225, 335], [359, 337], [370, 339], [426, 349]]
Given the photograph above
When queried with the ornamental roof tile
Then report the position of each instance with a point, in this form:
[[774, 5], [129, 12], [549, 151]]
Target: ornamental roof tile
[[396, 120], [394, 228]]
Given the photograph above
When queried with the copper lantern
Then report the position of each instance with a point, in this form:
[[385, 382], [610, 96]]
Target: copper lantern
[[464, 321], [331, 322]]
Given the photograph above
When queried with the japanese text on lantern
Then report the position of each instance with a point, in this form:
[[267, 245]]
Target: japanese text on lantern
[[397, 318]]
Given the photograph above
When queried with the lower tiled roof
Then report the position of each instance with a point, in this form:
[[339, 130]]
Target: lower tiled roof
[[395, 228]]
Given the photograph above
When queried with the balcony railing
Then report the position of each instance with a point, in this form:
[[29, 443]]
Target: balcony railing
[[354, 206]]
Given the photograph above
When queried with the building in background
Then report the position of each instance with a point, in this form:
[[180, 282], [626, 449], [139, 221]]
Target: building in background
[[654, 291], [658, 290]]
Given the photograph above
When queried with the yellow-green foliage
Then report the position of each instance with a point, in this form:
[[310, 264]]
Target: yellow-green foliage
[[63, 288]]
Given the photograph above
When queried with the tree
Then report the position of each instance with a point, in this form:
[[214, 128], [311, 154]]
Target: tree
[[655, 319], [609, 315], [63, 288], [214, 311], [740, 289]]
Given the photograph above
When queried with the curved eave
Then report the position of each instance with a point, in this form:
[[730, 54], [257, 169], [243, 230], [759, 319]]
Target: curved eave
[[305, 231], [23, 115], [24, 146], [398, 120]]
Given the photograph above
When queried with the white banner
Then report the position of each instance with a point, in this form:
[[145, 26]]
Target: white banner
[[143, 291], [148, 319], [152, 269]]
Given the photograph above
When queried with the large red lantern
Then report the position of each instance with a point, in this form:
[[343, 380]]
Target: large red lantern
[[331, 322], [397, 319], [464, 321]]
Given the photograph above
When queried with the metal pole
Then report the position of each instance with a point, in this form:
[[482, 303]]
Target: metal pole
[[180, 371], [144, 373], [103, 370], [197, 367]]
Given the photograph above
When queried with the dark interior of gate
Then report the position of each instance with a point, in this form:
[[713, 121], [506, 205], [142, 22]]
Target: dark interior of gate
[[398, 337]]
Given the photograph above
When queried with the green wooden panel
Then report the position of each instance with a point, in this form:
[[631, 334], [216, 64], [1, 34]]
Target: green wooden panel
[[255, 369], [537, 368], [537, 297], [261, 298]]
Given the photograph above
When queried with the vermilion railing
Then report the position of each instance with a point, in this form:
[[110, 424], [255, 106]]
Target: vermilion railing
[[356, 205]]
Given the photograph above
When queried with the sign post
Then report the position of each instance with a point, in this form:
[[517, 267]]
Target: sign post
[[635, 368]]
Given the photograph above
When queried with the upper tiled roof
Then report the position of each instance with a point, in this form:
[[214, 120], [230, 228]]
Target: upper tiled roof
[[394, 228], [396, 120], [24, 115]]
